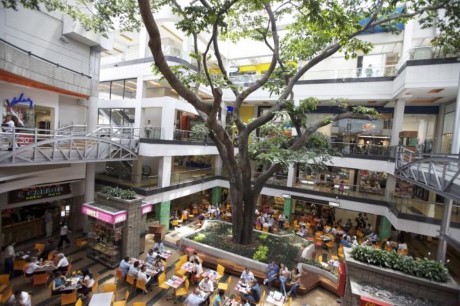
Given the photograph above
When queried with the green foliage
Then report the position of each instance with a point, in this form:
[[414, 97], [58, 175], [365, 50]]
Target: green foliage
[[261, 253], [199, 131], [117, 192], [199, 237], [425, 268], [319, 265], [263, 237]]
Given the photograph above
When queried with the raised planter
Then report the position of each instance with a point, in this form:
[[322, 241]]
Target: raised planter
[[303, 267], [361, 273]]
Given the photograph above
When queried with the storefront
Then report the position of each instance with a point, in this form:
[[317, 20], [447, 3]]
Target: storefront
[[23, 215], [112, 227]]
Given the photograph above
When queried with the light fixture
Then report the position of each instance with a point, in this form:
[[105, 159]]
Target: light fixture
[[334, 204], [286, 196], [64, 39]]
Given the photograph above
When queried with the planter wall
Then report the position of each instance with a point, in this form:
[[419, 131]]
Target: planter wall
[[358, 272], [312, 269]]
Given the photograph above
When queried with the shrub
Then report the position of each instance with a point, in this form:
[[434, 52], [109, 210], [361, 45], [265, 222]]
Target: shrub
[[425, 268], [261, 253], [199, 238], [117, 192]]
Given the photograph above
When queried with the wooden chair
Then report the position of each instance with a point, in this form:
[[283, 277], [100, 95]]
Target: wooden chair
[[130, 280], [162, 280], [19, 265], [110, 287], [6, 295], [140, 284], [119, 275], [224, 286], [4, 279], [39, 247], [182, 291], [40, 279], [70, 298]]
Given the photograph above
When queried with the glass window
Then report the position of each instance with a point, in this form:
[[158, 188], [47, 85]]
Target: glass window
[[103, 116], [117, 90], [130, 89], [104, 90], [116, 116]]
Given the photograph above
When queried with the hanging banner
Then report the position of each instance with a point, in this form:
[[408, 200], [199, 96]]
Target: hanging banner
[[146, 207], [104, 215]]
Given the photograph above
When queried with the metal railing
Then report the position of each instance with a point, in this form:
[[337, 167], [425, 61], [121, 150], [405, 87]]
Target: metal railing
[[151, 132], [186, 135], [363, 149]]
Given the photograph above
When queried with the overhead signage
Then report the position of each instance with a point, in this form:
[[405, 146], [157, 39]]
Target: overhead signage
[[146, 207], [103, 215], [37, 193]]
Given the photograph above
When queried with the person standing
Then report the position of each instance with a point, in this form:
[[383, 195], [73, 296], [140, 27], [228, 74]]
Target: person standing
[[148, 129], [341, 187], [64, 231], [8, 127], [9, 259], [48, 217]]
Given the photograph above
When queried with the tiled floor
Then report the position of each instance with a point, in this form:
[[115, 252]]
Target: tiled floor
[[41, 294]]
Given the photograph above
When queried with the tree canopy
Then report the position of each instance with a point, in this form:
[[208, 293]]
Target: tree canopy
[[299, 35]]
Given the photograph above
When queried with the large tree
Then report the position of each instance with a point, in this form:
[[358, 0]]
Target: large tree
[[312, 31]]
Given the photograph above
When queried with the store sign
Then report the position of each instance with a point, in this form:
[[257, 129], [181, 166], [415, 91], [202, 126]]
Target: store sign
[[36, 193], [367, 301], [146, 208], [111, 218]]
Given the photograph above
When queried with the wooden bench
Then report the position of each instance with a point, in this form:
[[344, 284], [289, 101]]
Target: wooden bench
[[236, 269]]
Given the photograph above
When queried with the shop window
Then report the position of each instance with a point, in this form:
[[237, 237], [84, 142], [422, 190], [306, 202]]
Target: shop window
[[65, 211], [118, 90], [116, 116]]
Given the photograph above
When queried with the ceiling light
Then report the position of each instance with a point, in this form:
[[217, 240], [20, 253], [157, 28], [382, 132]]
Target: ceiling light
[[126, 37]]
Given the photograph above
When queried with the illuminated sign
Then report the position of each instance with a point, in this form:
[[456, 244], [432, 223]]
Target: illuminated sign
[[146, 207], [367, 301], [103, 215], [36, 193]]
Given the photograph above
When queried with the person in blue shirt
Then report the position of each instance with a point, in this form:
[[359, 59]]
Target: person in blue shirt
[[150, 258], [272, 273], [159, 245], [124, 266], [219, 300], [253, 295]]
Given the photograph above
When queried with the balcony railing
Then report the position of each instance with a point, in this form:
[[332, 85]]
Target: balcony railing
[[152, 132], [186, 135], [350, 149]]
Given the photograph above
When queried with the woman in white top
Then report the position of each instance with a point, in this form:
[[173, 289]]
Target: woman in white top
[[20, 298], [197, 270], [284, 275], [87, 283]]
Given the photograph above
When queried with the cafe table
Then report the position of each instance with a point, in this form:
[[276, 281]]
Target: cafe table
[[275, 298], [174, 282], [101, 299], [187, 266], [211, 274], [242, 287], [231, 302], [46, 266], [166, 254]]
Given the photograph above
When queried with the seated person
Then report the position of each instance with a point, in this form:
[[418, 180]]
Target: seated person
[[219, 299], [302, 232], [63, 263], [402, 246], [151, 257], [134, 269], [20, 298], [247, 276], [272, 273], [194, 256], [344, 241], [253, 293], [86, 283], [207, 287], [124, 266], [197, 270], [194, 298], [158, 266], [160, 246], [295, 282], [373, 237], [142, 275], [58, 284], [32, 266]]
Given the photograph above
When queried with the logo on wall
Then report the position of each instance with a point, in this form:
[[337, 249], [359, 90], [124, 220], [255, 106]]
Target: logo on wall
[[20, 99], [36, 193]]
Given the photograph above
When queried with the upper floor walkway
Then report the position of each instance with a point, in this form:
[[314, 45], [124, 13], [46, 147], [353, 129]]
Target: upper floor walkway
[[71, 144]]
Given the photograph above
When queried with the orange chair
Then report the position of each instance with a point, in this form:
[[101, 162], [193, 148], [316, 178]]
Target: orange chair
[[39, 247], [258, 227], [6, 295], [70, 298], [119, 275], [224, 286], [178, 269], [19, 265], [79, 303], [220, 270], [4, 279], [183, 291], [140, 284], [119, 303], [40, 279], [162, 280], [110, 287], [139, 304], [95, 287], [130, 280]]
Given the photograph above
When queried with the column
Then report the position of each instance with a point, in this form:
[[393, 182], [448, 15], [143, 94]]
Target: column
[[287, 207], [143, 40], [407, 42], [384, 228], [164, 171], [136, 171], [163, 212], [437, 141], [448, 203], [291, 176], [390, 187], [167, 122], [216, 195], [398, 118]]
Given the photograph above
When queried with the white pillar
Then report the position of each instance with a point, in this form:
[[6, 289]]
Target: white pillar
[[437, 141], [407, 42], [144, 51], [167, 122], [164, 171], [291, 175], [398, 118]]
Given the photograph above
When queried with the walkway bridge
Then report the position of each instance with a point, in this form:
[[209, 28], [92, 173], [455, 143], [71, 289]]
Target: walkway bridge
[[439, 173], [71, 144]]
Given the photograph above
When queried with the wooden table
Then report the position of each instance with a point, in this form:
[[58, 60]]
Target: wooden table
[[101, 299], [275, 298]]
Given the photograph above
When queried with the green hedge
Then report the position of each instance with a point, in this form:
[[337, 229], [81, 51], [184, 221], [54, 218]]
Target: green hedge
[[419, 267]]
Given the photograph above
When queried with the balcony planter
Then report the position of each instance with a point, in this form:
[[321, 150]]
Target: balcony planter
[[401, 284], [303, 267]]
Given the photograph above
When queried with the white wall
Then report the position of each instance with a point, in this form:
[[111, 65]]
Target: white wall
[[40, 33], [70, 112]]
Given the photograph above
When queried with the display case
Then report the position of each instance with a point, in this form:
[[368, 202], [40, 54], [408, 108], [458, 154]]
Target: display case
[[105, 233], [105, 242]]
